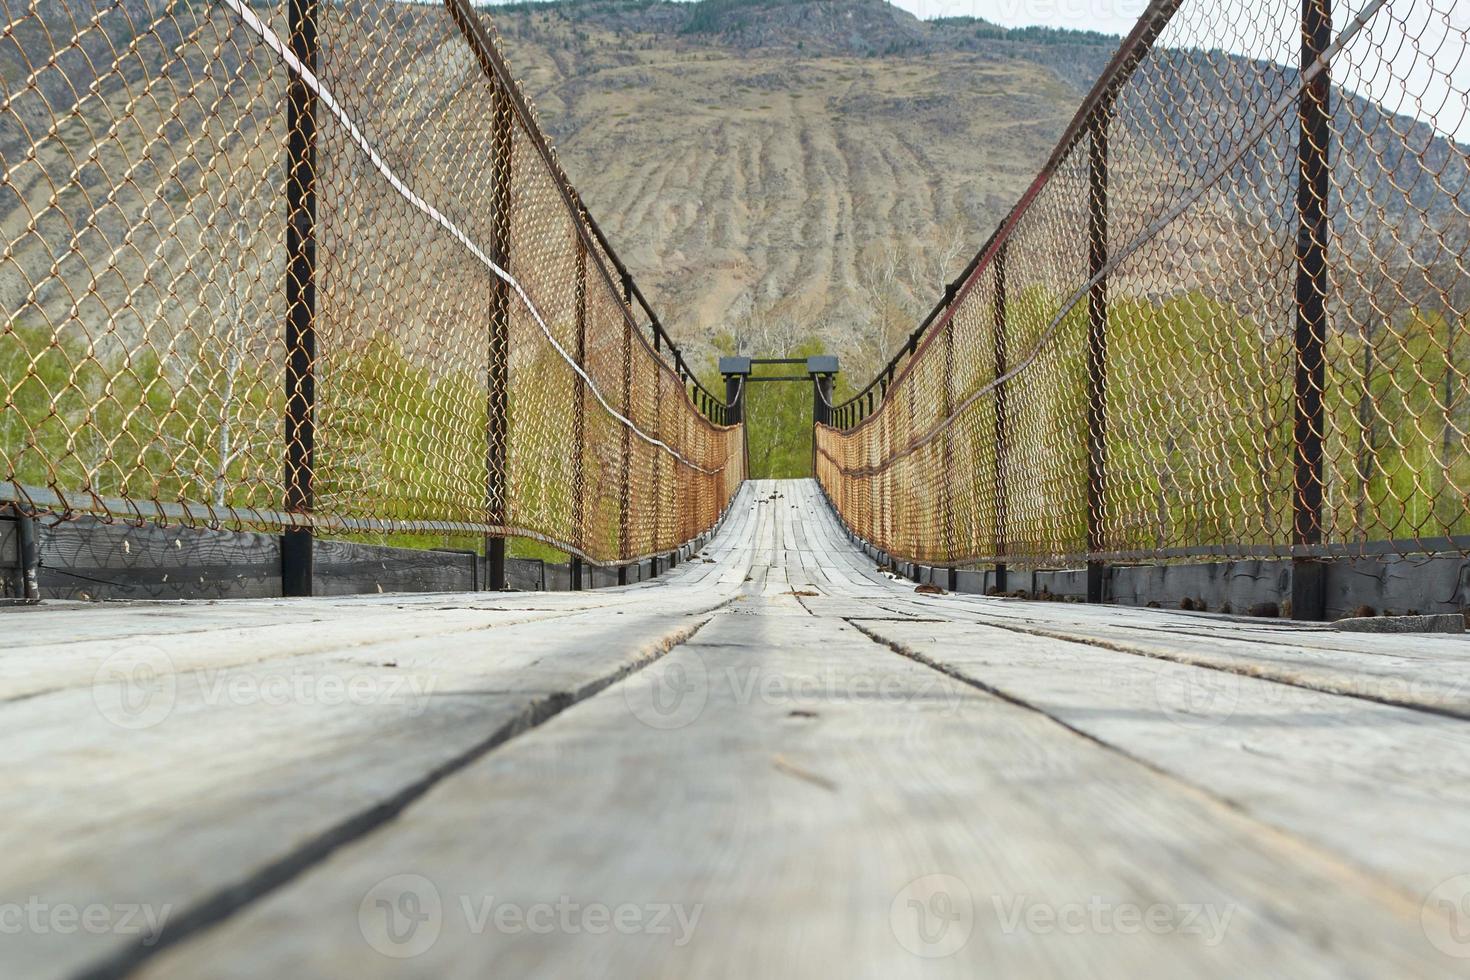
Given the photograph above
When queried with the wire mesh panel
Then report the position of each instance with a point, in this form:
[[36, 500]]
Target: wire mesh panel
[[1228, 318], [309, 263]]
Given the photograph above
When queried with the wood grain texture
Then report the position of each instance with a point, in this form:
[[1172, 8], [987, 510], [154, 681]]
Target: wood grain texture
[[825, 774]]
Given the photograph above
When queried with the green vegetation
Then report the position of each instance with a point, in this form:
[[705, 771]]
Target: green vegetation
[[1199, 428], [394, 441], [128, 424], [778, 415], [709, 15], [1199, 444], [1035, 34], [1199, 438]]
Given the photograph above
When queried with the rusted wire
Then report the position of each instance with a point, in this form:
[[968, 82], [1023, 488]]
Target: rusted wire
[[1228, 318], [440, 342]]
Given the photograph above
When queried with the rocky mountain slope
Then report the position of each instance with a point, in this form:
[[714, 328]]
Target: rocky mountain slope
[[776, 172], [777, 169]]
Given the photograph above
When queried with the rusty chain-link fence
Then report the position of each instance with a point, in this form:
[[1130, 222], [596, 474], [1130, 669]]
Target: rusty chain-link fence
[[311, 264], [1229, 318]]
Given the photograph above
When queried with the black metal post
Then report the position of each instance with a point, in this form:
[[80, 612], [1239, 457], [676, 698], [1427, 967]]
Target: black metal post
[[497, 406], [28, 557], [1308, 586], [1002, 428], [1097, 351], [658, 464], [625, 523], [946, 485], [820, 413], [579, 422], [575, 566], [734, 399], [497, 380], [300, 434]]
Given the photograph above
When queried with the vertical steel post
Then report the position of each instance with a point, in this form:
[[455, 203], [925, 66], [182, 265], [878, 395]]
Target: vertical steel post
[[1308, 586], [821, 399], [497, 406], [300, 433], [28, 556], [579, 420], [497, 374], [658, 464], [946, 483], [1097, 351], [734, 399], [821, 409], [625, 522], [1002, 428]]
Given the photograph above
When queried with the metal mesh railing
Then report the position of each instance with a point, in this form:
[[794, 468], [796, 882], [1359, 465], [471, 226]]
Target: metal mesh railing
[[313, 264], [1228, 318]]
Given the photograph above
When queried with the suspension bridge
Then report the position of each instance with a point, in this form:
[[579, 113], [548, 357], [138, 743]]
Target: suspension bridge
[[1118, 629]]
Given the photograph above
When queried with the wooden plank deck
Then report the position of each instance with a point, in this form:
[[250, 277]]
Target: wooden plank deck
[[776, 760]]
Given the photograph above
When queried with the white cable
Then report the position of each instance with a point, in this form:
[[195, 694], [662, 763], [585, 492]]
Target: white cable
[[1271, 116], [309, 78]]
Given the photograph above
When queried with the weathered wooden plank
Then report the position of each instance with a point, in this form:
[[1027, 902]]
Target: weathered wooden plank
[[88, 559], [275, 738], [1430, 672], [1332, 771], [790, 823], [237, 772], [347, 568], [783, 780], [10, 578], [220, 642], [526, 574]]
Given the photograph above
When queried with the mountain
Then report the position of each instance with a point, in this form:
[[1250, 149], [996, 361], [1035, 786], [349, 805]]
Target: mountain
[[772, 171], [776, 169]]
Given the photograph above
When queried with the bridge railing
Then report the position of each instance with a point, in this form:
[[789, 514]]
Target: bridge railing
[[1228, 318], [313, 265]]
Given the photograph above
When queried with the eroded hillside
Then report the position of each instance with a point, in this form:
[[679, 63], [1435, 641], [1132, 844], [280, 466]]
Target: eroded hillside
[[789, 169]]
